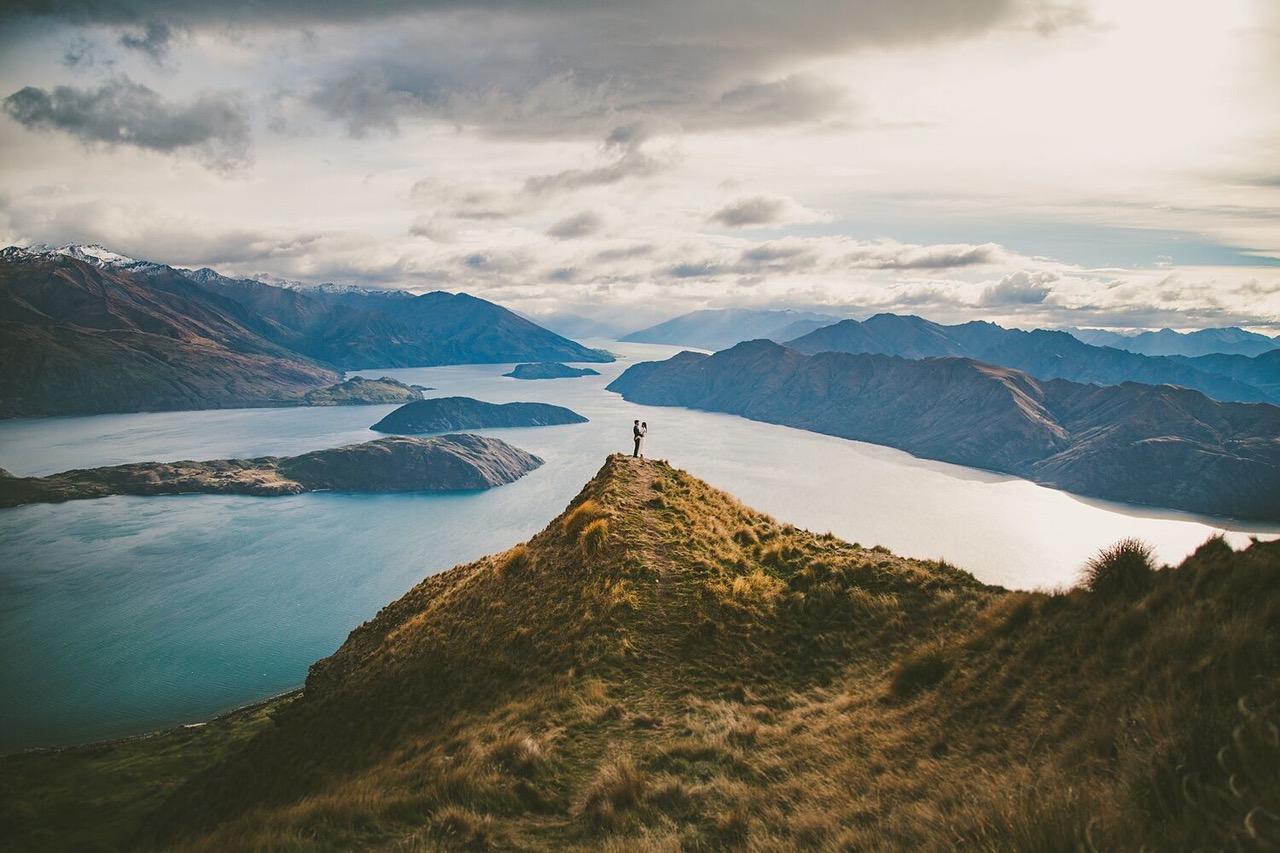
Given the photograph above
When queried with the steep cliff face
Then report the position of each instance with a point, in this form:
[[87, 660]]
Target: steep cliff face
[[442, 463], [1156, 445]]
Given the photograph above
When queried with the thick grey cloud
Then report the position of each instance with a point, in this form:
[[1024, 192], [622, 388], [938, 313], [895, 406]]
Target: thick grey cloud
[[633, 163], [214, 125], [895, 256], [152, 40], [554, 68], [753, 210], [363, 101], [579, 225]]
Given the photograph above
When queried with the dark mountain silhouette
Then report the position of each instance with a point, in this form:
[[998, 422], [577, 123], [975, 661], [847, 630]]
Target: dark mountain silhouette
[[549, 370], [87, 336], [1260, 371], [718, 328], [445, 414], [1043, 354], [1225, 341], [1156, 445], [357, 329], [79, 339]]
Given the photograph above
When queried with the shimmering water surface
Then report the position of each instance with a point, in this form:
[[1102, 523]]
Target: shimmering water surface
[[123, 615]]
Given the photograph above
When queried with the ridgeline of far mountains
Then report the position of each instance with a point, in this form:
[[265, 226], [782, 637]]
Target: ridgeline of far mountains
[[441, 463], [80, 336], [1042, 354], [1146, 444], [663, 668]]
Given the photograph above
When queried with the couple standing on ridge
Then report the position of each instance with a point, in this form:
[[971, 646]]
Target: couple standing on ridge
[[638, 432]]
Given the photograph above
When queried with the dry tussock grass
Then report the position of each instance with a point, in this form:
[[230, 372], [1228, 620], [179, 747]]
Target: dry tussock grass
[[722, 681]]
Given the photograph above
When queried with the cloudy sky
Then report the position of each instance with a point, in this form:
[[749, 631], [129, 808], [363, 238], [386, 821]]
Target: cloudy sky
[[1107, 163]]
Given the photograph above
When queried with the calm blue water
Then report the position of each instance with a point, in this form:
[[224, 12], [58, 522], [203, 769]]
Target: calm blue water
[[123, 615]]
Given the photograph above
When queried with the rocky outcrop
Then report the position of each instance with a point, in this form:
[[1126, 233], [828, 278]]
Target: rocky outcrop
[[442, 463], [446, 414], [1147, 444], [549, 370]]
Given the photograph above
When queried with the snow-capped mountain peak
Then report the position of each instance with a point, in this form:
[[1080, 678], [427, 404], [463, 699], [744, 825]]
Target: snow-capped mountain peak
[[99, 256]]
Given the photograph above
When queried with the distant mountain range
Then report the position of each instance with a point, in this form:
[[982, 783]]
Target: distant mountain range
[[1144, 444], [360, 329], [84, 330], [1225, 341], [1048, 355], [719, 328]]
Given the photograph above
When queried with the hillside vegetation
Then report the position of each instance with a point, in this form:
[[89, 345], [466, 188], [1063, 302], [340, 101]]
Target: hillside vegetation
[[662, 668]]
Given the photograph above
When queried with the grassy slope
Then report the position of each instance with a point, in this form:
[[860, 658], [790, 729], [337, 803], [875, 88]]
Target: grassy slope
[[92, 798], [664, 668]]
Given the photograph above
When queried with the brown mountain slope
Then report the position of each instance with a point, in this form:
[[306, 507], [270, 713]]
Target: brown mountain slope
[[662, 668], [76, 339]]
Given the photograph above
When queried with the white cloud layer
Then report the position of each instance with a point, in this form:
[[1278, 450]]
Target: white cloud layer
[[974, 159]]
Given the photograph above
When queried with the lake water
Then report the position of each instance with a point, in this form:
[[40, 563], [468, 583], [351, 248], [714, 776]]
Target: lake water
[[123, 615]]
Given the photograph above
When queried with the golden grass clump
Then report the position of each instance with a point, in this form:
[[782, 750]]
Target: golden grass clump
[[1123, 570], [617, 788], [594, 537], [582, 515]]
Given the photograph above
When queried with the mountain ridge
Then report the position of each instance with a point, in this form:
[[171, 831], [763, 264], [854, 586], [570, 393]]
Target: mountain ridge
[[719, 328], [662, 667], [87, 335], [1042, 353], [1154, 445]]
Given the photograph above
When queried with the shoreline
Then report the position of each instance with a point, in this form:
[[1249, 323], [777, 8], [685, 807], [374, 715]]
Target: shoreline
[[225, 716]]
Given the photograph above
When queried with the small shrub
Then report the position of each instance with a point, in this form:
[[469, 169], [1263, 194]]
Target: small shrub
[[920, 670], [464, 828], [520, 754], [732, 826], [594, 537], [1123, 569], [517, 559], [618, 788], [585, 513]]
